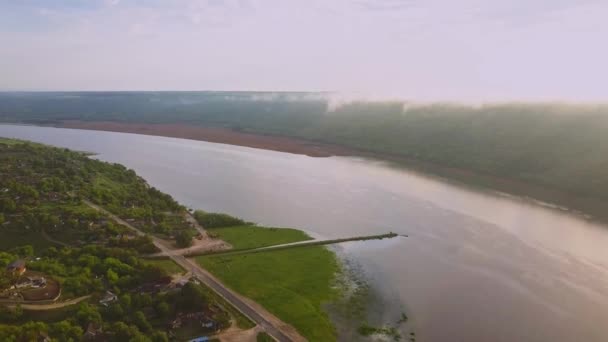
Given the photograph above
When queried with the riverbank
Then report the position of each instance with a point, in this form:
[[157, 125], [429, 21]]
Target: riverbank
[[587, 207], [215, 135]]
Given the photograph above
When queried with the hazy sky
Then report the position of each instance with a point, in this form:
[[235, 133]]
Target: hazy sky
[[416, 49]]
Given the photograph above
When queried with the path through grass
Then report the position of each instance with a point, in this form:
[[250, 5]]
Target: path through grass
[[243, 237]]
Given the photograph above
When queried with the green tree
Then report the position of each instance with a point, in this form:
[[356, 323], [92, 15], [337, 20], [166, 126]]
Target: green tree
[[125, 301], [64, 331], [24, 251], [115, 311], [159, 336], [7, 205], [192, 297], [183, 238], [162, 309], [112, 276], [126, 333], [86, 314], [142, 323]]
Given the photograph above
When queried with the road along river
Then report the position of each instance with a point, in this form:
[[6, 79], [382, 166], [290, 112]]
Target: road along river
[[477, 266]]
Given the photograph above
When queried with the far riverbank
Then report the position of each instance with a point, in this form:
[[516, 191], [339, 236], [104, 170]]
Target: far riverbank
[[588, 207]]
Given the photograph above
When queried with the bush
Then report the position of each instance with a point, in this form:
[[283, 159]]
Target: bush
[[183, 238], [217, 220]]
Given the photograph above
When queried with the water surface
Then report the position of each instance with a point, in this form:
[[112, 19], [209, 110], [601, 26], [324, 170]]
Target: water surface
[[476, 266]]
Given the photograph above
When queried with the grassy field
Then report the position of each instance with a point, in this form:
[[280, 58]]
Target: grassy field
[[292, 284], [166, 264], [243, 237], [8, 141]]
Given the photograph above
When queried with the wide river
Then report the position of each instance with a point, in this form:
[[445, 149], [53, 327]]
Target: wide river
[[477, 266]]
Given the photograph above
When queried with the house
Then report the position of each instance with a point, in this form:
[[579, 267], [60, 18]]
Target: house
[[108, 298], [38, 282], [16, 267]]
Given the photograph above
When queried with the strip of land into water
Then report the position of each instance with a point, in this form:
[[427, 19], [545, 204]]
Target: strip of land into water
[[549, 197]]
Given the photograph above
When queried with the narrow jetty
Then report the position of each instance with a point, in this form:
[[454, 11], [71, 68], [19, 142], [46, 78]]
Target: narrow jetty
[[299, 244]]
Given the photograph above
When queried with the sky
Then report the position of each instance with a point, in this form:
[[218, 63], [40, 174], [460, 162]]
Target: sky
[[426, 50]]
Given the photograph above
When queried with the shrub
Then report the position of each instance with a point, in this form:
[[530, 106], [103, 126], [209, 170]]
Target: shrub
[[217, 220]]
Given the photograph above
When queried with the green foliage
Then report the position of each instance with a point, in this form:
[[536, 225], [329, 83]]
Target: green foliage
[[368, 330], [10, 314], [87, 314], [141, 322], [191, 298], [184, 238], [292, 284], [41, 190], [162, 309], [242, 237], [167, 265], [217, 220], [263, 337], [65, 331], [159, 336], [40, 195]]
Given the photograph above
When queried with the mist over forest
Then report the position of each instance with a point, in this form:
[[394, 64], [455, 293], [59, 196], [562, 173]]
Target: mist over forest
[[560, 146]]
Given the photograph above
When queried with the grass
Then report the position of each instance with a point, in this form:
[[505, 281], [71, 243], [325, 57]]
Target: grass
[[9, 141], [293, 284], [166, 264], [263, 337], [244, 237], [104, 182], [390, 332]]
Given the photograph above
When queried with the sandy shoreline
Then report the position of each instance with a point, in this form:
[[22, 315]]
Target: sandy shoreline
[[216, 135]]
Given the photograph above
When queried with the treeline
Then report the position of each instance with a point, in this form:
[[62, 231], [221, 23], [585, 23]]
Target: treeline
[[559, 146], [217, 220]]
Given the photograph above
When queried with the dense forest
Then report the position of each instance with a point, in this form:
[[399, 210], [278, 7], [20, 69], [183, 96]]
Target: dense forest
[[558, 146]]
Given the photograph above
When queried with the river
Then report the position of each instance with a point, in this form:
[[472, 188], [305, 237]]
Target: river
[[477, 266]]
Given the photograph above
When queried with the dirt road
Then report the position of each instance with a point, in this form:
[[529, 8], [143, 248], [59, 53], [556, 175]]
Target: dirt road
[[56, 305]]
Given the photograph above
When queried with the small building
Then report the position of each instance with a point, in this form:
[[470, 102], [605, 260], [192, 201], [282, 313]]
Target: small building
[[38, 282], [108, 298], [16, 267]]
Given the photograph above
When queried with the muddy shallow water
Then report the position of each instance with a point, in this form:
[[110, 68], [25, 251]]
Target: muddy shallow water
[[476, 266]]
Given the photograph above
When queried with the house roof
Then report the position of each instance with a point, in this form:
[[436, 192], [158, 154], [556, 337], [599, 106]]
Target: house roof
[[17, 264]]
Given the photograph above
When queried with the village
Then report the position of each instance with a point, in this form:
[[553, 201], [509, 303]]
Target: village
[[197, 314]]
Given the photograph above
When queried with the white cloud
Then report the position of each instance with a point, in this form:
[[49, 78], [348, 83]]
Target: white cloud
[[465, 50]]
